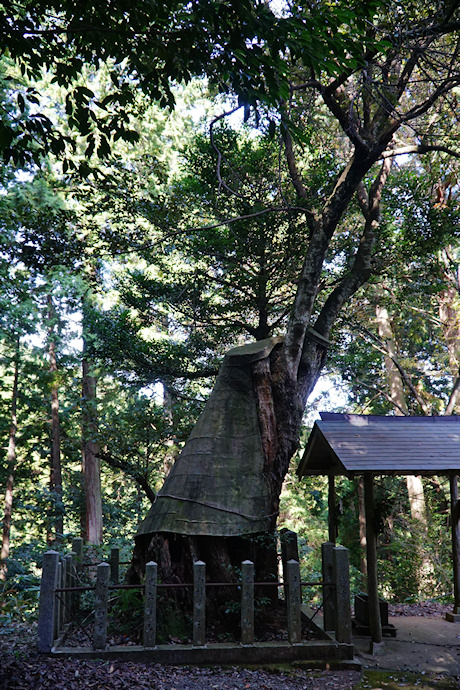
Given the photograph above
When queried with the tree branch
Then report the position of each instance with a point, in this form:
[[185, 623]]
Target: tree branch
[[219, 154], [420, 149], [292, 167], [361, 268], [453, 398], [380, 347], [128, 469]]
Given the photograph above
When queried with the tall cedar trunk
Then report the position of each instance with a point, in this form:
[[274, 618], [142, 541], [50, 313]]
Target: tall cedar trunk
[[56, 530], [414, 484], [90, 460], [91, 466], [11, 465]]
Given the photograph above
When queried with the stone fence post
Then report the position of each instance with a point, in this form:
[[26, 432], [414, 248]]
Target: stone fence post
[[293, 601], [329, 608], [77, 548], [247, 602], [101, 603], [47, 608], [342, 595], [199, 603], [150, 604], [114, 564]]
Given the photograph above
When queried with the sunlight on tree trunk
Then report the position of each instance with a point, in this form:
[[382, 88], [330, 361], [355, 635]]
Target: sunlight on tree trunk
[[91, 463], [362, 530], [449, 315]]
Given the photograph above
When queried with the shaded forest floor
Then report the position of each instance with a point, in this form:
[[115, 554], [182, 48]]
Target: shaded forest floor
[[22, 668]]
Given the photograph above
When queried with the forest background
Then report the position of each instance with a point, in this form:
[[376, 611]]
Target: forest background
[[136, 249]]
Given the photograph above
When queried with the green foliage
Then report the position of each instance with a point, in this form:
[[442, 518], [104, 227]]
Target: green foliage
[[243, 48], [126, 611]]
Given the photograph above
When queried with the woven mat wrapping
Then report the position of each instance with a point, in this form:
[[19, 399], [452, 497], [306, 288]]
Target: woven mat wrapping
[[217, 487]]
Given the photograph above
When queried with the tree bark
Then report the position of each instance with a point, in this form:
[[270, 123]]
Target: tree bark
[[362, 530], [56, 530], [11, 465], [371, 544], [415, 490], [91, 466]]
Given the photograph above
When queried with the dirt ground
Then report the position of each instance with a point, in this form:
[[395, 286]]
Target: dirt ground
[[22, 668], [407, 662]]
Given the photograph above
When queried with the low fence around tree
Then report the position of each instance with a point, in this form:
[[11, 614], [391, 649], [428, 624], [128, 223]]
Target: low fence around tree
[[60, 591]]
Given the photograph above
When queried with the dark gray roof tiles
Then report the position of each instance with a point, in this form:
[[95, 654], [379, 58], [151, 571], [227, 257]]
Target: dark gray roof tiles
[[344, 444]]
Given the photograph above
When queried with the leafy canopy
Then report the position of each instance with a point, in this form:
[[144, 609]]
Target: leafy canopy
[[242, 46]]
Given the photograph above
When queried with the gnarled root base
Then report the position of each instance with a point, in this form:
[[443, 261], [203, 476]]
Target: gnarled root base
[[176, 553]]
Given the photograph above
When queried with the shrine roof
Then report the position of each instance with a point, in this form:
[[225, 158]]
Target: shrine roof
[[348, 444]]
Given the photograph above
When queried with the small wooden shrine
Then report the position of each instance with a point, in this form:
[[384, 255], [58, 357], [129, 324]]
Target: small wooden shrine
[[369, 445]]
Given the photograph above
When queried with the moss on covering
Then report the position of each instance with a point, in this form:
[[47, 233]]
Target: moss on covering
[[217, 485]]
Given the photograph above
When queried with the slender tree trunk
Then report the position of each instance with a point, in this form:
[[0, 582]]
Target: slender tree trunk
[[395, 383], [171, 447], [57, 528], [397, 395], [371, 544], [362, 530], [91, 463], [449, 313], [414, 484], [11, 464], [91, 466]]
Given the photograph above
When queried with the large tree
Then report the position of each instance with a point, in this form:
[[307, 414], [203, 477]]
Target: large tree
[[393, 99]]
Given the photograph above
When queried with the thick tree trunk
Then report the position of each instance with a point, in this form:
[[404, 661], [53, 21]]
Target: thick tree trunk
[[56, 530], [11, 465]]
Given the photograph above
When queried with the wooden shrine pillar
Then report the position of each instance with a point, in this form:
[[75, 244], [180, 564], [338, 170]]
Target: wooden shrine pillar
[[455, 522], [375, 622], [332, 510]]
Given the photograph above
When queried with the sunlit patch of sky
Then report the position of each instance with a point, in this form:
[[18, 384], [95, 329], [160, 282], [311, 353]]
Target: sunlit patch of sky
[[330, 394]]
